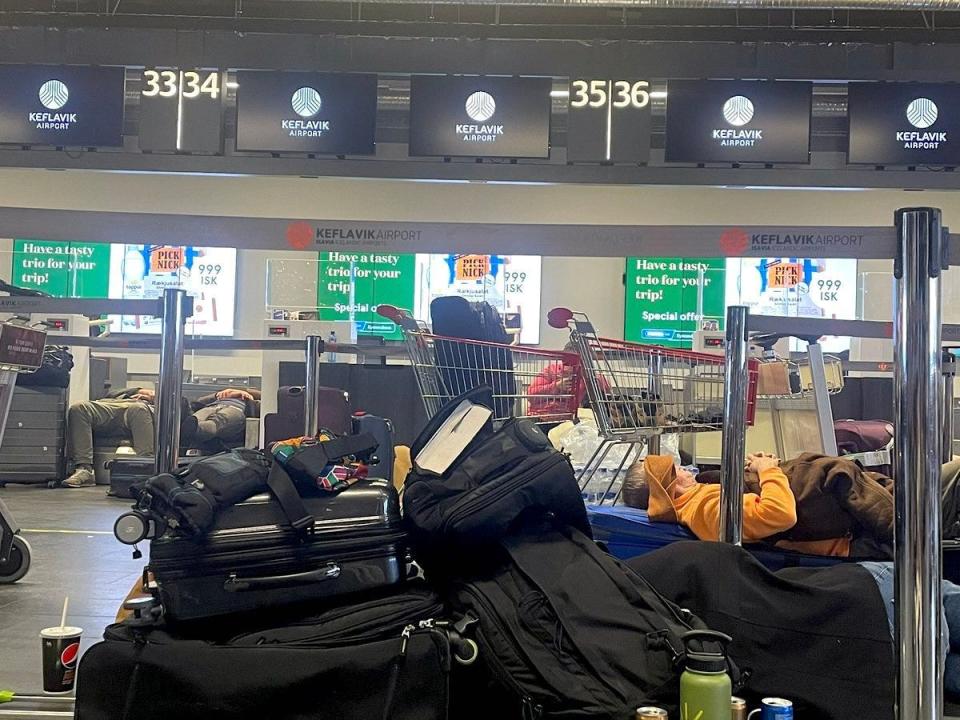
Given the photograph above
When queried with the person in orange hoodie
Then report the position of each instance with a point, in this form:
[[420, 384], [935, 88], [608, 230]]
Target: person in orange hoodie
[[676, 496]]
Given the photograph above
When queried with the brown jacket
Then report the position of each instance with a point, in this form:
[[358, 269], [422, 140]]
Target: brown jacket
[[835, 498]]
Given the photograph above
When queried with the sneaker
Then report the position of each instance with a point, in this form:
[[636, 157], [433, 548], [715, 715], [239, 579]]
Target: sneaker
[[82, 477]]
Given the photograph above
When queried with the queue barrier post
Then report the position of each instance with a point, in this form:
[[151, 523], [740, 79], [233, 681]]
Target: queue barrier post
[[949, 376], [734, 440], [170, 391], [311, 389], [918, 407]]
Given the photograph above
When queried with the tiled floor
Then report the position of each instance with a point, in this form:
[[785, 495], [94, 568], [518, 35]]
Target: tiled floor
[[75, 554]]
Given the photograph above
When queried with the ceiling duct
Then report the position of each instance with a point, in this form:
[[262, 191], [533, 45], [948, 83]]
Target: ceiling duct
[[843, 5]]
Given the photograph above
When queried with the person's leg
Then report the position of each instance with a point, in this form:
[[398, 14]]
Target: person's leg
[[83, 420], [951, 611], [138, 419], [951, 675], [219, 421]]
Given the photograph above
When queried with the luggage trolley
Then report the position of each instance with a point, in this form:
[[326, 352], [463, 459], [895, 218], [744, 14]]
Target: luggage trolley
[[638, 392], [543, 385], [21, 350], [798, 394]]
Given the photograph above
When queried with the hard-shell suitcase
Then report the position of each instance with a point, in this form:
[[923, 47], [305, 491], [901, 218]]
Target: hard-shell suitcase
[[34, 443], [125, 470], [287, 422], [869, 442], [253, 559], [381, 657], [382, 430]]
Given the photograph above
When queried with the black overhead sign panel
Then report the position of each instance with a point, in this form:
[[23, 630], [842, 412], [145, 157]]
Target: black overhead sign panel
[[904, 123], [608, 121], [479, 116], [738, 121], [61, 105], [333, 114], [181, 110]]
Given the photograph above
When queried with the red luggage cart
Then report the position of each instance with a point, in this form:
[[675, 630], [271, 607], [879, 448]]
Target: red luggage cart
[[638, 392], [543, 385]]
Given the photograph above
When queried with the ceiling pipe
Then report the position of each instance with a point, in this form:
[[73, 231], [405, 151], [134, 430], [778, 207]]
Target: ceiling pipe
[[896, 5]]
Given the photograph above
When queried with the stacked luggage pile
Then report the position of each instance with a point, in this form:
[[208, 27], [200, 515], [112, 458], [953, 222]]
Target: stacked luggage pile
[[270, 597], [292, 584]]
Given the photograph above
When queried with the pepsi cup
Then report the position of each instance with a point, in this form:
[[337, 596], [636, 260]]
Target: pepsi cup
[[61, 649]]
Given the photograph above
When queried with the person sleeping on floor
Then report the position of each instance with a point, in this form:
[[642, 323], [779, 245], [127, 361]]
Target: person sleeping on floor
[[814, 504]]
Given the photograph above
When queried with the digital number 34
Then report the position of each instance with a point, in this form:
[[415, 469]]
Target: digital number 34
[[166, 83]]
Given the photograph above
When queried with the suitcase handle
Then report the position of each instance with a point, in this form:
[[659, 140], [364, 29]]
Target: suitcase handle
[[330, 571]]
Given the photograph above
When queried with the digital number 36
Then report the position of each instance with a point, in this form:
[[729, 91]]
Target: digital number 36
[[593, 93]]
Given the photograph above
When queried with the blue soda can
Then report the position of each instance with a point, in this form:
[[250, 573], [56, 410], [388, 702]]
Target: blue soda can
[[772, 708]]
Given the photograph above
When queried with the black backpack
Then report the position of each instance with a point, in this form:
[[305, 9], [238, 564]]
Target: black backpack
[[464, 366], [502, 475], [567, 629], [571, 631]]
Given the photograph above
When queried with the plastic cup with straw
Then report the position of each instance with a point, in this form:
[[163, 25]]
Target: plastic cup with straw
[[60, 648]]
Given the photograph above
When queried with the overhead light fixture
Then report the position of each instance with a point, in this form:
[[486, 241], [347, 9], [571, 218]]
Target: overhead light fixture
[[559, 93], [658, 95], [233, 84]]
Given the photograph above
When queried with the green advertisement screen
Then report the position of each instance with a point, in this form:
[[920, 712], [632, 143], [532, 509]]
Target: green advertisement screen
[[62, 269], [661, 298], [352, 285]]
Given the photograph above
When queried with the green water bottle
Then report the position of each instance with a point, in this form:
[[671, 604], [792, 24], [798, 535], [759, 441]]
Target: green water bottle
[[704, 685]]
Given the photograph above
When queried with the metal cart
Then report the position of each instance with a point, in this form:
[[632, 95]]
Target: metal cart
[[798, 394], [542, 385], [638, 392], [21, 350]]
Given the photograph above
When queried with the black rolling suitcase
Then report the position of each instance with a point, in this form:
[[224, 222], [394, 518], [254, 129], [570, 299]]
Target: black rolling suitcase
[[379, 658], [127, 470], [34, 443], [253, 559], [287, 422], [465, 366]]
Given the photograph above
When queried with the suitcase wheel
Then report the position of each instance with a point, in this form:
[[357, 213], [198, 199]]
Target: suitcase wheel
[[18, 564]]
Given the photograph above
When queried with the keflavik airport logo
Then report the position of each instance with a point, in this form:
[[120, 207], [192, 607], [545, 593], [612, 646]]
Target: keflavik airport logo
[[307, 103], [53, 95], [738, 111], [740, 241], [922, 113], [480, 107], [302, 234]]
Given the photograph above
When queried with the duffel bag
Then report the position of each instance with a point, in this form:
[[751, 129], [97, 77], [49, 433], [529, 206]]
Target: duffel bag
[[569, 630], [384, 658]]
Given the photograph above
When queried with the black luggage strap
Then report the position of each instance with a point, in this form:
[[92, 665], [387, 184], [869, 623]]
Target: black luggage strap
[[341, 447], [290, 501]]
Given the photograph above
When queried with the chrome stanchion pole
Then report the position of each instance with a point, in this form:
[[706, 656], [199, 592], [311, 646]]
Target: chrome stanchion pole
[[171, 380], [311, 390], [949, 375], [734, 443], [918, 402]]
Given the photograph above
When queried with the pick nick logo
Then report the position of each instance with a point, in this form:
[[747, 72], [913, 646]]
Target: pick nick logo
[[734, 241], [68, 657], [299, 235]]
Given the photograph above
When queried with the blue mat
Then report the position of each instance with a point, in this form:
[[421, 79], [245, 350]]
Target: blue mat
[[628, 532]]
